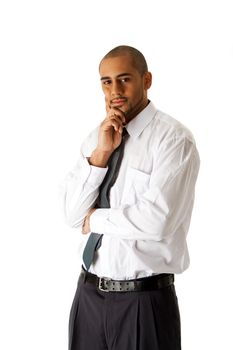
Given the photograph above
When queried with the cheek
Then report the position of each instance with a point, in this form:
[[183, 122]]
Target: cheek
[[137, 94], [107, 100], [136, 91], [106, 94]]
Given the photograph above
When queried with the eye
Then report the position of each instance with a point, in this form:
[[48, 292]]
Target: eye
[[125, 80], [106, 82]]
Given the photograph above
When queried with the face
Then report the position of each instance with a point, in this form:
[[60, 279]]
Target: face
[[123, 86]]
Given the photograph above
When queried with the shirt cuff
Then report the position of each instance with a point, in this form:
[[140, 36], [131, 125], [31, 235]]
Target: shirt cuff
[[98, 220], [96, 174]]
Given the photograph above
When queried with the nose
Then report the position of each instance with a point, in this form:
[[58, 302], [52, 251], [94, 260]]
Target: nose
[[117, 88]]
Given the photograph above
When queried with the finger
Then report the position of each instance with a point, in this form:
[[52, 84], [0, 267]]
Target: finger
[[112, 120], [120, 129], [117, 119], [108, 107], [118, 112], [116, 125], [83, 228]]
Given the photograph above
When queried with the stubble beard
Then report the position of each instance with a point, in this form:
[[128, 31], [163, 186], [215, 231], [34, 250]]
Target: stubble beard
[[134, 110]]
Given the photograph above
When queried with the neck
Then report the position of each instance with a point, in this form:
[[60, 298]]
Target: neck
[[136, 110]]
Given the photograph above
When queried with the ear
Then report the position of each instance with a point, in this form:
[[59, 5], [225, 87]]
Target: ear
[[147, 80]]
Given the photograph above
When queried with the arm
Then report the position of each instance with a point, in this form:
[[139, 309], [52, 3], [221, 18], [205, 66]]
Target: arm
[[81, 187], [163, 207], [79, 191]]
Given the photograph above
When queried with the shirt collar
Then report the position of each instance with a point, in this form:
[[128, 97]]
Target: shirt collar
[[138, 124]]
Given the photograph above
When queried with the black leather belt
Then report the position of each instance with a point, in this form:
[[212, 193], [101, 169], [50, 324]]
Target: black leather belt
[[137, 285]]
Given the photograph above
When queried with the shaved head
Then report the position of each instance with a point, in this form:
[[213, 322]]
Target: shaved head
[[138, 60]]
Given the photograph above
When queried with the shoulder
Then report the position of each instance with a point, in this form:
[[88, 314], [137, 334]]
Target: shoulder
[[176, 143], [168, 128]]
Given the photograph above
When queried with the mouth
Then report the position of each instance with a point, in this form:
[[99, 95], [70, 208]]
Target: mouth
[[117, 102]]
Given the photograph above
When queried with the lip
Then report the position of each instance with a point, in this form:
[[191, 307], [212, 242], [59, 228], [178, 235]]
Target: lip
[[118, 101]]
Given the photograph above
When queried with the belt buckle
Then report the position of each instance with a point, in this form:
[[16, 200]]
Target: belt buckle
[[102, 282]]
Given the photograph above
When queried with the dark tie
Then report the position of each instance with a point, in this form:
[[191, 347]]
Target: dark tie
[[94, 240]]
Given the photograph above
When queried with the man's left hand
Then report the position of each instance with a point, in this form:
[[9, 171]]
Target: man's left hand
[[86, 224]]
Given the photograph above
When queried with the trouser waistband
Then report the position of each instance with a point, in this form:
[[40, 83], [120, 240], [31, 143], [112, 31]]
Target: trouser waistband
[[136, 285]]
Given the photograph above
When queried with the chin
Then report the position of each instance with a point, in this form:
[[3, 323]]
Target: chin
[[128, 112]]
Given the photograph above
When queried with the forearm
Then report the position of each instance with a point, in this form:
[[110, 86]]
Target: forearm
[[160, 211], [99, 158], [80, 190], [81, 187], [140, 221]]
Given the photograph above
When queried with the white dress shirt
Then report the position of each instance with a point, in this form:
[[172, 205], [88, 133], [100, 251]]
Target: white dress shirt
[[145, 228]]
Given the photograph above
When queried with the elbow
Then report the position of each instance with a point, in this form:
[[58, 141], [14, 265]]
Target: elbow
[[164, 229], [73, 223], [73, 216], [73, 220]]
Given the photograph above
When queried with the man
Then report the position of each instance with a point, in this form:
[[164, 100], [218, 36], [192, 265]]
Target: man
[[131, 194]]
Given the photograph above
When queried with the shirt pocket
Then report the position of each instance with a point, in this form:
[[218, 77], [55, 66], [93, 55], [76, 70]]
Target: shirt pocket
[[136, 183]]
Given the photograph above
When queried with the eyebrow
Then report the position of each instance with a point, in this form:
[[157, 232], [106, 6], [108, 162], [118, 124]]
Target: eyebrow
[[118, 76]]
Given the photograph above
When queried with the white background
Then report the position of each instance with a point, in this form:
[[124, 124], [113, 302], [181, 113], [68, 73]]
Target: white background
[[50, 100]]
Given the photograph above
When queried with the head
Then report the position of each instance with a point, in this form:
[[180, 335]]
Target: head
[[125, 80]]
